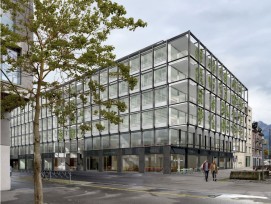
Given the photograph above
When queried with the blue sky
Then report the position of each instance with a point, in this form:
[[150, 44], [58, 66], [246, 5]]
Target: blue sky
[[238, 32]]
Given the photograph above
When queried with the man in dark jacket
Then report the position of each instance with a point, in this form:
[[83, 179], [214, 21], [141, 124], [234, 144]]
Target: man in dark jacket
[[205, 168]]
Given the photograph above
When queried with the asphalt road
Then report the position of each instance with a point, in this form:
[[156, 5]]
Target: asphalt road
[[138, 188]]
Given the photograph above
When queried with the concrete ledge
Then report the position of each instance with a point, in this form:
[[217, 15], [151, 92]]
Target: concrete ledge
[[249, 175]]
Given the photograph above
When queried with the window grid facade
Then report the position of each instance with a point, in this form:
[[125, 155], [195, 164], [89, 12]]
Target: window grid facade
[[185, 97]]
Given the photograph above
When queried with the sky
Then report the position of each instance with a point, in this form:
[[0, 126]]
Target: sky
[[237, 32]]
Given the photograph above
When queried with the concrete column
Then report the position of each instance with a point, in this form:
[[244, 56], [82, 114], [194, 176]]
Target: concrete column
[[166, 162], [141, 160], [5, 153], [119, 160], [101, 161]]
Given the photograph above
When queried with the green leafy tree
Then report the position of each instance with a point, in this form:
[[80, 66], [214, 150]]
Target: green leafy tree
[[69, 38]]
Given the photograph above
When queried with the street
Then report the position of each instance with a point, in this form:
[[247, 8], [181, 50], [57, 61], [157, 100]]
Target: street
[[93, 187]]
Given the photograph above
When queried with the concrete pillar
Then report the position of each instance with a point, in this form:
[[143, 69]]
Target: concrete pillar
[[166, 162], [101, 161], [119, 160], [141, 160], [5, 153]]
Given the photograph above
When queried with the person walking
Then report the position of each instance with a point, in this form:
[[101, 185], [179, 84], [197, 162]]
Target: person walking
[[205, 168], [214, 170]]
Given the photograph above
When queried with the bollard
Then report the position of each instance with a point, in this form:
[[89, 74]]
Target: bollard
[[70, 177]]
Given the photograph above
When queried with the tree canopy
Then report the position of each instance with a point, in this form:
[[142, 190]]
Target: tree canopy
[[66, 38]]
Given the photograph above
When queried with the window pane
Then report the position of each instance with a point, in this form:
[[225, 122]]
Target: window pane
[[160, 55], [136, 139], [125, 140], [160, 76], [146, 80], [161, 137], [135, 121], [146, 61], [134, 64], [114, 142], [147, 119], [161, 97], [147, 100], [148, 138], [135, 103], [161, 117]]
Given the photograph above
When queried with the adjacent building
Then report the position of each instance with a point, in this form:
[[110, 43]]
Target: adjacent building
[[257, 147], [187, 107], [244, 159], [20, 80]]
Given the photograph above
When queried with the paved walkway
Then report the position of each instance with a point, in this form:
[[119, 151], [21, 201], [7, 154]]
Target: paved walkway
[[192, 185]]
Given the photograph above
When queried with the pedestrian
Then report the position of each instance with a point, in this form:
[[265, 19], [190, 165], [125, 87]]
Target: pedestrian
[[214, 170], [205, 168]]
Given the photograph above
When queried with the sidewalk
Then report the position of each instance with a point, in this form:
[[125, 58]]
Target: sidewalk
[[122, 183]]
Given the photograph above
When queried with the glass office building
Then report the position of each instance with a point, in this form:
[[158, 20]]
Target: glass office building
[[187, 107]]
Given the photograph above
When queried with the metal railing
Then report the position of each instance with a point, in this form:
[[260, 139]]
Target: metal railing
[[48, 174], [56, 174]]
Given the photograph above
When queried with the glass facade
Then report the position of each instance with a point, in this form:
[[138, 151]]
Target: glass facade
[[185, 99], [8, 75]]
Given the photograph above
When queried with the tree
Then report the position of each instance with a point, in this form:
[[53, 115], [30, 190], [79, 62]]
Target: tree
[[69, 38]]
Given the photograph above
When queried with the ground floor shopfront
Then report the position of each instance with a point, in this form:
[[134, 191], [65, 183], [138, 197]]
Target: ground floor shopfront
[[165, 159]]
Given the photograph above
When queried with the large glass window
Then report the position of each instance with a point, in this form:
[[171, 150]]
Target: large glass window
[[92, 163], [88, 144], [146, 60], [105, 142], [135, 121], [130, 163], [13, 76], [160, 55], [160, 76], [135, 103], [147, 100], [96, 143], [103, 77], [125, 140], [114, 141], [135, 65], [137, 86], [178, 48], [113, 90], [148, 138], [146, 80], [147, 119], [161, 117], [161, 137], [178, 70], [124, 126], [153, 163], [177, 162], [161, 96], [123, 88], [174, 137], [136, 139], [110, 163]]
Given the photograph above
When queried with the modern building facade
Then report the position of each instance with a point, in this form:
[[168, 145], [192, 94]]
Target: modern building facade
[[20, 80], [187, 107]]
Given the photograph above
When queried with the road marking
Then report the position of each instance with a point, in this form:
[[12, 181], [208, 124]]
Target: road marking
[[231, 196]]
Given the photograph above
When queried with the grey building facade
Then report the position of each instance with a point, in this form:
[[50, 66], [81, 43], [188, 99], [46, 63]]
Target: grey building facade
[[20, 80], [187, 107]]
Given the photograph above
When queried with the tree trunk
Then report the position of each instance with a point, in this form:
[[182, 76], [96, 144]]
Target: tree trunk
[[38, 193]]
